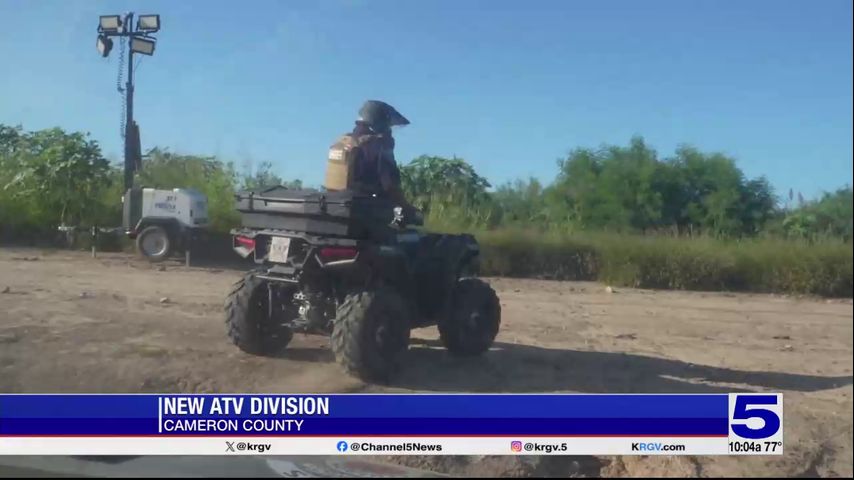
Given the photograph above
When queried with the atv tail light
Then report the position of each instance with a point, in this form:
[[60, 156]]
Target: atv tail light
[[329, 254], [245, 242]]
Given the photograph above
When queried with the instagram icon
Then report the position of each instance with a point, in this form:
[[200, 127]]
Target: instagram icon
[[516, 446]]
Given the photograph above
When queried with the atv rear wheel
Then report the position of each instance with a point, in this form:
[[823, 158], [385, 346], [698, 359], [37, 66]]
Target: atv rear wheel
[[371, 333], [474, 319], [247, 316]]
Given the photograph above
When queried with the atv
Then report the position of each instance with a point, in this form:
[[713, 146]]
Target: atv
[[351, 267]]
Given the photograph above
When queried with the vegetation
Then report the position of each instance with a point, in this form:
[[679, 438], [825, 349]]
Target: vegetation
[[50, 178], [620, 214], [830, 216], [613, 188], [765, 265]]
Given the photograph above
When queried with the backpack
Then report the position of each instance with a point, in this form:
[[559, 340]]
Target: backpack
[[341, 164]]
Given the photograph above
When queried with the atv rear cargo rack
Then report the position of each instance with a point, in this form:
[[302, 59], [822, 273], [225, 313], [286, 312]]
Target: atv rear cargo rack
[[343, 214]]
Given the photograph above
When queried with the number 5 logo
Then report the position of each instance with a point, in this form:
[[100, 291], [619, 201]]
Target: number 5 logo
[[766, 409]]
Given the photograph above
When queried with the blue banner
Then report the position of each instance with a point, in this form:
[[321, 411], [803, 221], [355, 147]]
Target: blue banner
[[367, 415]]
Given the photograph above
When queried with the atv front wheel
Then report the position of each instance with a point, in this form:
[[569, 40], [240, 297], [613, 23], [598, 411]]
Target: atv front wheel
[[474, 319], [247, 316], [371, 333]]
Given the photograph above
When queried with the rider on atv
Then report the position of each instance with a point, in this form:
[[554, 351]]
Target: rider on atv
[[331, 263], [363, 160]]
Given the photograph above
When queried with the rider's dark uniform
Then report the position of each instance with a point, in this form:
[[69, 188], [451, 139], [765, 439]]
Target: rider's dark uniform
[[363, 160], [375, 163]]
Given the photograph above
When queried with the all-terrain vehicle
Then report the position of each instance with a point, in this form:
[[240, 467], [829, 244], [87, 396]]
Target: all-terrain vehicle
[[351, 267]]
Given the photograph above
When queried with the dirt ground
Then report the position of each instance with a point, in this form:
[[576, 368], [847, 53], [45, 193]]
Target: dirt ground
[[70, 323]]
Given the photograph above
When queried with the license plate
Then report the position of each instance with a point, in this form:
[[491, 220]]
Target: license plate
[[279, 249]]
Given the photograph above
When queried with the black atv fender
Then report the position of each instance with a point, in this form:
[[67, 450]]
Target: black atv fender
[[391, 267], [469, 261], [447, 258], [460, 255]]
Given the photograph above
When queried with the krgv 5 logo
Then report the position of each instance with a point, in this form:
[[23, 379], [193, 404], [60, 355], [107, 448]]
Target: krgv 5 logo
[[756, 416]]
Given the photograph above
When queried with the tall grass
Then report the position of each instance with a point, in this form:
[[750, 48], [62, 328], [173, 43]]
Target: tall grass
[[753, 265]]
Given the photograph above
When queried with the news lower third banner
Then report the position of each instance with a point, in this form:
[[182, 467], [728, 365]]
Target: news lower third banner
[[383, 424]]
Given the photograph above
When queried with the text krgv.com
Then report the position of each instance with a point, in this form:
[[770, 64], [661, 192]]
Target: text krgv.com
[[657, 447], [370, 447]]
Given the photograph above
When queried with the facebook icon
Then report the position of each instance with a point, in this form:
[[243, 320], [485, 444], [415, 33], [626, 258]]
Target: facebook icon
[[342, 446]]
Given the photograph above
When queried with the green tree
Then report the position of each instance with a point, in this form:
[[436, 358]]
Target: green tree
[[612, 187], [628, 175], [629, 188], [57, 174], [717, 198], [758, 205], [521, 202], [13, 211], [263, 177], [575, 196], [831, 215], [427, 178]]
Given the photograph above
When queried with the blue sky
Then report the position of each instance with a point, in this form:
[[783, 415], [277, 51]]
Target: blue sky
[[508, 85]]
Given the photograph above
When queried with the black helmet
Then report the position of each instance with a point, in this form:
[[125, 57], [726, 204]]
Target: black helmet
[[380, 116]]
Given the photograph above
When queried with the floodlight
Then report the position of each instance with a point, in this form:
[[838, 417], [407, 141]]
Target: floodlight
[[148, 23], [144, 46], [104, 45], [110, 23]]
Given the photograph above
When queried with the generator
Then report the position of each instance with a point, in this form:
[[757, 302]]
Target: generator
[[164, 221]]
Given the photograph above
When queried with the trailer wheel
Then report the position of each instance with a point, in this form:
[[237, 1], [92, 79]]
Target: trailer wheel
[[154, 243]]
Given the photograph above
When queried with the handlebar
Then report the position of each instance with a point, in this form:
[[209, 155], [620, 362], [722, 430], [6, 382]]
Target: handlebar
[[403, 218]]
